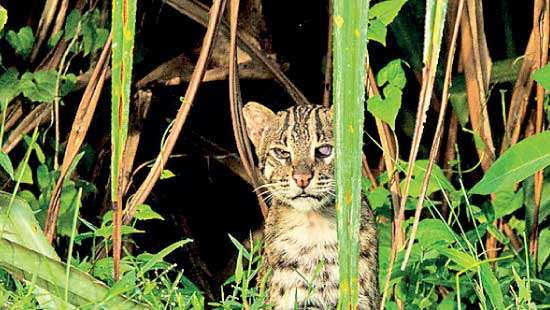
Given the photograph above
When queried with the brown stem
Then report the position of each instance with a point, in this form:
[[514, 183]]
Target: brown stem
[[544, 25], [236, 105], [327, 89], [81, 124], [437, 135], [216, 12]]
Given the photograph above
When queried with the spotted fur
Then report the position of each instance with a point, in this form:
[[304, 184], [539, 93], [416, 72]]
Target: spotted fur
[[294, 150]]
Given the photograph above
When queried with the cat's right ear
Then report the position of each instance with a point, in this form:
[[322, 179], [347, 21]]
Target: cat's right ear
[[257, 118]]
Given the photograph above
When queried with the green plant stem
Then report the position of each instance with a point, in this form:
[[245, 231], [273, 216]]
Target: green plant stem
[[71, 243]]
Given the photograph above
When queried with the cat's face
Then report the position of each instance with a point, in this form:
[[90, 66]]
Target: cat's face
[[295, 152]]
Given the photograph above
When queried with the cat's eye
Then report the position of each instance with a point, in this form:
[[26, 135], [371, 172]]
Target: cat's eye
[[280, 153], [323, 151]]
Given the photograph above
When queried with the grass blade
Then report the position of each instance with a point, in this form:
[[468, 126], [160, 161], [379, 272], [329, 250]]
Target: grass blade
[[123, 28], [350, 49]]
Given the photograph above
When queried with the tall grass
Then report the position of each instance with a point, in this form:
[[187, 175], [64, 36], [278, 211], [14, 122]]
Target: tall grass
[[350, 50], [123, 25]]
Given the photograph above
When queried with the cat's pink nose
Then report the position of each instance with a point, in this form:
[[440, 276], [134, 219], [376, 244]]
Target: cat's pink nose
[[302, 179]]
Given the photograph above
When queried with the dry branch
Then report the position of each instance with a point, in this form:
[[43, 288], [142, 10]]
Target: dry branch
[[216, 13], [81, 124]]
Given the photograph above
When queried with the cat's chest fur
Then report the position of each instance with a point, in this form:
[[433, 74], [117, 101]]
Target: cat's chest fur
[[301, 249]]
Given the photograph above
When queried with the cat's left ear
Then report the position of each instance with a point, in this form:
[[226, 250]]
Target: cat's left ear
[[257, 118]]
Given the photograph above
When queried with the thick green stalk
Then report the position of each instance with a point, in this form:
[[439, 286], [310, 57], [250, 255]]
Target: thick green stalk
[[123, 29], [350, 48]]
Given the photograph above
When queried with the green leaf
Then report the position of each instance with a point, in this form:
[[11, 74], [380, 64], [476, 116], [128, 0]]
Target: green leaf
[[107, 231], [438, 180], [101, 37], [377, 31], [71, 24], [491, 286], [43, 178], [448, 303], [386, 109], [9, 86], [5, 162], [506, 202], [378, 197], [544, 249], [25, 252], [69, 197], [464, 260], [54, 39], [517, 163], [88, 36], [24, 172], [386, 11], [166, 174], [542, 76], [39, 86], [36, 148], [393, 77], [393, 74], [432, 231], [22, 41], [68, 84], [3, 17], [144, 212], [160, 255]]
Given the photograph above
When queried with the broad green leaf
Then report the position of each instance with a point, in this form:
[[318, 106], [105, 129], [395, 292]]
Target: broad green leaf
[[144, 212], [24, 172], [68, 84], [43, 178], [21, 41], [54, 39], [393, 74], [529, 189], [385, 109], [71, 24], [377, 31], [39, 86], [3, 17], [386, 11], [438, 180], [431, 231], [378, 197], [491, 286], [9, 86], [506, 202], [517, 163], [69, 196], [544, 248], [542, 76], [392, 77], [26, 253], [5, 162]]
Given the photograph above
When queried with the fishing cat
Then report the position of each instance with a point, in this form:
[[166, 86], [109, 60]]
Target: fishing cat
[[296, 166]]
